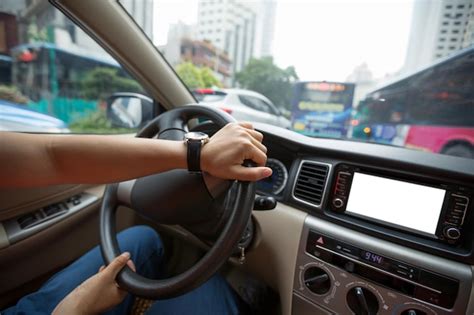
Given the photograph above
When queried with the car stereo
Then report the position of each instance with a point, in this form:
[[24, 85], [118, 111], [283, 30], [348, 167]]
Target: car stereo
[[435, 211]]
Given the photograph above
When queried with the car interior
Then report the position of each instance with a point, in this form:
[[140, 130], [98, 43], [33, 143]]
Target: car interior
[[340, 228]]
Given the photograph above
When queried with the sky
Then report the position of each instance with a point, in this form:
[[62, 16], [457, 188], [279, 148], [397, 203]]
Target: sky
[[322, 39]]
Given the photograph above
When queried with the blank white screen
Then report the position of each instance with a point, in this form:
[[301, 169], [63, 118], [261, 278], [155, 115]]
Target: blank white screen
[[406, 204]]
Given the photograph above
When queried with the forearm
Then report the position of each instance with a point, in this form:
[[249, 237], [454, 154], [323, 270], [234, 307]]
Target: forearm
[[38, 160]]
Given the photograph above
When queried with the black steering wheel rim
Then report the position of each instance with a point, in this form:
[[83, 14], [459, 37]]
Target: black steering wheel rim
[[217, 255]]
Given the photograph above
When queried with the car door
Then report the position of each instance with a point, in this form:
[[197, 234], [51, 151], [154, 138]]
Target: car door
[[57, 85]]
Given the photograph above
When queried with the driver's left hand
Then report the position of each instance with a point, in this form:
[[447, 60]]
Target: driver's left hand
[[97, 294]]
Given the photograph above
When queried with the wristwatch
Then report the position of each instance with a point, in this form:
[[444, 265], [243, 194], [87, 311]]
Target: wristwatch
[[194, 141]]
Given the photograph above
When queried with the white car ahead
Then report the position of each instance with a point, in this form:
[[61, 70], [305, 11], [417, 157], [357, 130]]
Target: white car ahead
[[243, 105]]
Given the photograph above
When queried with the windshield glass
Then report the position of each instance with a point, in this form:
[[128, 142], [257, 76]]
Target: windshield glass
[[395, 72]]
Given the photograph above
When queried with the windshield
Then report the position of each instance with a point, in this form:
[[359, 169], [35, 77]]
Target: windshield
[[395, 72]]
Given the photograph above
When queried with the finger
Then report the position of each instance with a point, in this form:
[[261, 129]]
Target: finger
[[257, 156], [246, 125], [259, 145], [117, 264], [255, 134], [101, 268], [131, 265], [251, 173]]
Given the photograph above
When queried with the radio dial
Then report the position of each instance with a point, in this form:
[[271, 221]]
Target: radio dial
[[452, 233]]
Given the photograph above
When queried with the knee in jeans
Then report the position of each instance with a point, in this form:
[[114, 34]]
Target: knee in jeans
[[143, 236]]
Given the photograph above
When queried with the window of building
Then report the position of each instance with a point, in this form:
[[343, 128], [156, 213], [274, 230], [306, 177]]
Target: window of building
[[455, 31], [454, 39], [444, 31], [452, 47], [445, 23], [442, 39], [438, 55], [461, 6], [447, 15], [457, 23], [458, 15], [449, 7]]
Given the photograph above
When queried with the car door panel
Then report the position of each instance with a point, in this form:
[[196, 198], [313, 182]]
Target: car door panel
[[57, 245]]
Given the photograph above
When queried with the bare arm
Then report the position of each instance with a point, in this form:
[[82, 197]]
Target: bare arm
[[39, 160]]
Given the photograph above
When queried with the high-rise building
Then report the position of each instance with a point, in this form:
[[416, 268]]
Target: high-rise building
[[439, 28], [230, 25], [266, 12]]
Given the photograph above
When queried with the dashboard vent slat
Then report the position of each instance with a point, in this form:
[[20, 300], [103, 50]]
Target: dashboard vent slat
[[310, 182]]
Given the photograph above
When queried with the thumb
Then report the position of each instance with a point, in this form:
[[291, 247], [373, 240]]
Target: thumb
[[117, 264], [251, 174]]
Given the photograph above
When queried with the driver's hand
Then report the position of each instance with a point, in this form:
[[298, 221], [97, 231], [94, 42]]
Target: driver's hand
[[97, 294], [225, 152]]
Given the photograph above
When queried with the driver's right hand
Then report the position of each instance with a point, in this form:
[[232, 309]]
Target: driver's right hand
[[223, 156]]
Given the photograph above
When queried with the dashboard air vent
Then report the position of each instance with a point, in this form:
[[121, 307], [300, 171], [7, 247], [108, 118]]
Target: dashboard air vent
[[310, 182]]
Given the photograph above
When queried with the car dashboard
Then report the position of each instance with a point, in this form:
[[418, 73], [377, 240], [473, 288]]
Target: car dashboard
[[385, 230]]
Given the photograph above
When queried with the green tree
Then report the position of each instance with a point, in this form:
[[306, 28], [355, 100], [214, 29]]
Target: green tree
[[11, 94], [263, 76], [101, 82], [208, 78], [190, 75], [195, 77]]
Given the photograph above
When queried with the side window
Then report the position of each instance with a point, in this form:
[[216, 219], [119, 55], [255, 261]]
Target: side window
[[249, 102], [270, 108], [54, 77], [256, 103]]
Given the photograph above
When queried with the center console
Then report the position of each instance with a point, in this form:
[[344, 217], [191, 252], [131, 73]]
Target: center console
[[385, 242], [341, 271]]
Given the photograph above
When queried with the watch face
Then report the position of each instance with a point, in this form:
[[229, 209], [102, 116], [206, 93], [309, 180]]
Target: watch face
[[196, 136]]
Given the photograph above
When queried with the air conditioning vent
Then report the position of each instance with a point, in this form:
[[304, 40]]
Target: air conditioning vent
[[311, 182]]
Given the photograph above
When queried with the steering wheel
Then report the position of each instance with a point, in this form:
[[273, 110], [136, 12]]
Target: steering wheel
[[160, 198]]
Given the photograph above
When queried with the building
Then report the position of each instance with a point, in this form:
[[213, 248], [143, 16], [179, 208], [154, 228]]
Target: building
[[176, 34], [230, 25], [439, 28], [38, 20], [204, 54], [266, 16], [182, 46]]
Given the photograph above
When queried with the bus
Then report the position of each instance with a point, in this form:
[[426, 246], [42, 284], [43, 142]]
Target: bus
[[322, 109], [430, 110], [50, 76]]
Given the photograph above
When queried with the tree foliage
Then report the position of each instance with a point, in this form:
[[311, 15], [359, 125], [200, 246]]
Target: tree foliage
[[263, 76], [195, 77], [101, 82], [11, 94]]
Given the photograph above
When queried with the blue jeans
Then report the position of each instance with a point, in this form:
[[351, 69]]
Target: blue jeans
[[143, 243]]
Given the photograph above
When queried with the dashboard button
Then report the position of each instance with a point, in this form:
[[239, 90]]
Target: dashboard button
[[452, 233], [337, 203]]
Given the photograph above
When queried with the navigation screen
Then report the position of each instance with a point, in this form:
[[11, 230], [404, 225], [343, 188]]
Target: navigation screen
[[408, 205]]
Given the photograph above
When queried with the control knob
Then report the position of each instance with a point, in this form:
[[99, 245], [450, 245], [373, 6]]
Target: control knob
[[337, 203], [317, 280], [362, 302], [452, 233]]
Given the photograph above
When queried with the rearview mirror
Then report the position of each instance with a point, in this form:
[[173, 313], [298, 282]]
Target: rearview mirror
[[129, 110]]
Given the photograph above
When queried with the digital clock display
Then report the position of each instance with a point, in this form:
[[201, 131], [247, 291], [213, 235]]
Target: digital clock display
[[372, 258]]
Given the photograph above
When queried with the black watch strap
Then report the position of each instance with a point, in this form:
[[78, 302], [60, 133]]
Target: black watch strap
[[194, 155]]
